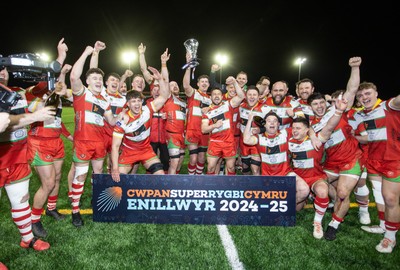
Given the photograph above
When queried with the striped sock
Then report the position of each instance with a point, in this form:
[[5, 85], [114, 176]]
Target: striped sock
[[52, 202], [22, 218]]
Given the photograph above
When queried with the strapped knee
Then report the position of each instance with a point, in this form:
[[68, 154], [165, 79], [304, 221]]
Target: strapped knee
[[362, 191], [194, 151], [81, 170], [255, 162], [202, 149], [246, 161], [155, 167], [377, 191], [174, 156]]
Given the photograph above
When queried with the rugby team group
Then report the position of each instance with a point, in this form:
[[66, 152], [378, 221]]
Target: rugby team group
[[333, 144]]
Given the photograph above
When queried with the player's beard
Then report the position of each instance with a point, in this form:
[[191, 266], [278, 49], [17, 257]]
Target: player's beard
[[278, 102]]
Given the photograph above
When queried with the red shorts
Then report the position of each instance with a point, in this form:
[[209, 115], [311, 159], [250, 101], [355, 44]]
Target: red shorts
[[175, 140], [196, 137], [11, 154], [88, 150], [15, 173], [222, 149], [311, 180], [388, 169], [131, 156], [247, 150], [108, 143], [237, 140], [349, 167], [43, 151]]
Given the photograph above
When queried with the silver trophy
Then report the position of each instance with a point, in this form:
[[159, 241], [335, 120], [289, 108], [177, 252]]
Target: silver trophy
[[191, 46]]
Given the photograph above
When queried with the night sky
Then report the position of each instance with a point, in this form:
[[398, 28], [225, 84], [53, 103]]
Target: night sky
[[260, 37]]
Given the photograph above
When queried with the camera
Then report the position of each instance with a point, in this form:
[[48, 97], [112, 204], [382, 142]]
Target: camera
[[30, 67], [8, 98]]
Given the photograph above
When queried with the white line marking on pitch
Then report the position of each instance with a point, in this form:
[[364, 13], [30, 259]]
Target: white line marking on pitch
[[230, 248]]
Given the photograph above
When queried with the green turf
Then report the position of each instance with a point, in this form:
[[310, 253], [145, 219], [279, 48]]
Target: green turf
[[100, 245]]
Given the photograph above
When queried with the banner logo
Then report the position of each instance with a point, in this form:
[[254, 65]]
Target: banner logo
[[109, 199]]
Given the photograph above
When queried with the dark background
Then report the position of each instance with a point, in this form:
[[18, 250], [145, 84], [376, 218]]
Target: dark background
[[260, 37]]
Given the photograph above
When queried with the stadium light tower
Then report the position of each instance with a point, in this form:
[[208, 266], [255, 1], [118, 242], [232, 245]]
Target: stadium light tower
[[299, 62], [222, 59]]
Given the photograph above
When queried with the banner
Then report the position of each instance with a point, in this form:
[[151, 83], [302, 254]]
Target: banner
[[195, 199]]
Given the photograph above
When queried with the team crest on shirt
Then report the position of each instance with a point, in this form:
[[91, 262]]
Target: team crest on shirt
[[19, 133], [97, 109], [218, 117], [138, 131]]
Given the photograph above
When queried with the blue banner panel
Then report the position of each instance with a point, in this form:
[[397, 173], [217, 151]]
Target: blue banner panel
[[195, 199]]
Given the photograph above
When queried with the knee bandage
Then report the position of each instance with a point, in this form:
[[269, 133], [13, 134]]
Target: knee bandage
[[202, 149], [194, 151], [246, 161], [81, 170], [174, 152], [255, 162], [155, 167], [18, 193], [377, 191], [362, 191]]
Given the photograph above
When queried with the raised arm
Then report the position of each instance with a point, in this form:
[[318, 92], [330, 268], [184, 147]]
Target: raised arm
[[143, 65], [62, 49], [77, 69], [189, 91], [340, 105], [213, 81], [353, 82], [240, 95], [164, 91], [65, 69], [94, 60], [164, 59]]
